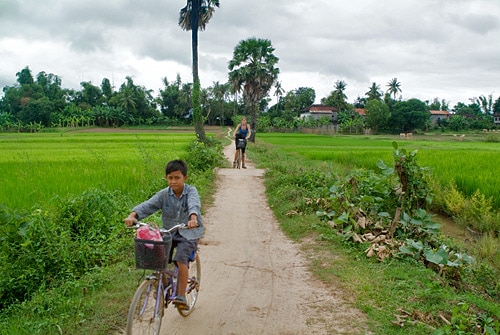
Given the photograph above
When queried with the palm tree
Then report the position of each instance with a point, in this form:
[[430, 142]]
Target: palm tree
[[220, 92], [486, 104], [374, 92], [278, 92], [340, 97], [394, 87], [252, 71], [196, 15], [337, 98]]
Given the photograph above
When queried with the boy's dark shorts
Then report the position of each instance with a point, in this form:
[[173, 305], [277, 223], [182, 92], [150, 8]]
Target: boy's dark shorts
[[184, 248]]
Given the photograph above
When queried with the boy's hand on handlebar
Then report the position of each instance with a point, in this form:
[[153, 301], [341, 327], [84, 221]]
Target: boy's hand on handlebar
[[130, 220], [192, 223]]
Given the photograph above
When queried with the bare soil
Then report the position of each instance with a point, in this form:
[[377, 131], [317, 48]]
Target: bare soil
[[254, 279]]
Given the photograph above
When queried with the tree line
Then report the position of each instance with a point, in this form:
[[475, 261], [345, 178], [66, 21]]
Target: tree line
[[34, 103]]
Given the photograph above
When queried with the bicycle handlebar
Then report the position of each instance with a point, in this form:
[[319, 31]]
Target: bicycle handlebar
[[162, 230]]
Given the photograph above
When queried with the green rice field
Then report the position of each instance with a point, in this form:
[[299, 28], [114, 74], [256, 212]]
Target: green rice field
[[35, 168], [470, 165]]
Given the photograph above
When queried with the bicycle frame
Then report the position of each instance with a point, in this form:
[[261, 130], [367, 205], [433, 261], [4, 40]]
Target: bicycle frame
[[159, 275], [146, 313]]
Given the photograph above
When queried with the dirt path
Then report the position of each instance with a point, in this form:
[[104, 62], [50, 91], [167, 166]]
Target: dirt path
[[254, 279]]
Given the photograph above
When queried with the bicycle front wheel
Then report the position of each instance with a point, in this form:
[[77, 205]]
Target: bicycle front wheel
[[146, 309], [238, 159], [193, 285]]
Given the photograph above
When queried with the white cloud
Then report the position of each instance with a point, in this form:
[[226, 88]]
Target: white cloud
[[447, 49]]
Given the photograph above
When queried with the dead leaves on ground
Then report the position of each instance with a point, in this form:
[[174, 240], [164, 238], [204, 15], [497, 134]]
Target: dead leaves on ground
[[382, 245], [405, 318]]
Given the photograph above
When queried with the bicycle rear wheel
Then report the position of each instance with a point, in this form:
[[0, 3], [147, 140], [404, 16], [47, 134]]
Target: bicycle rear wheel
[[193, 285], [146, 309]]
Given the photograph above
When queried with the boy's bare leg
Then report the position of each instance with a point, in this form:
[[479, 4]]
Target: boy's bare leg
[[182, 278]]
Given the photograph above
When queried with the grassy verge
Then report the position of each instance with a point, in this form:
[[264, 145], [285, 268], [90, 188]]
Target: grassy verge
[[399, 296]]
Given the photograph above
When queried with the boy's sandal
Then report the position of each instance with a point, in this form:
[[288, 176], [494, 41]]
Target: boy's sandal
[[180, 302]]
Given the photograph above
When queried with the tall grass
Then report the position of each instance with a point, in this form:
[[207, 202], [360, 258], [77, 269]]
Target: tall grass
[[470, 166], [399, 296], [66, 261], [35, 168]]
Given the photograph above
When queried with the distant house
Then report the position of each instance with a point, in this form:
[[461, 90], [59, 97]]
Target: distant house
[[361, 111], [439, 115], [319, 111], [496, 118]]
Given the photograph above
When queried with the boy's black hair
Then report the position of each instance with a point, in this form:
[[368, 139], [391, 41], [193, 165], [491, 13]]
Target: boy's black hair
[[176, 165]]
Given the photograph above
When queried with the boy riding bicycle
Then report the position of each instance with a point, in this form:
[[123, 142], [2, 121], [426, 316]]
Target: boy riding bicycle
[[179, 203]]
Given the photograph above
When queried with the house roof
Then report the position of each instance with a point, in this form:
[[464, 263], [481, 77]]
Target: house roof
[[360, 111], [319, 109], [436, 112]]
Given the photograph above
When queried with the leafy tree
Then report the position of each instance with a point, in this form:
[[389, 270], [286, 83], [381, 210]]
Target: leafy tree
[[409, 115], [359, 102], [377, 115], [171, 100], [286, 111], [32, 102], [496, 106], [444, 105], [473, 115], [305, 98], [90, 96], [37, 110], [435, 105], [220, 93], [50, 85], [106, 89], [11, 101], [467, 110], [136, 101], [253, 72], [24, 77], [394, 87], [293, 103], [196, 15], [457, 122], [374, 92]]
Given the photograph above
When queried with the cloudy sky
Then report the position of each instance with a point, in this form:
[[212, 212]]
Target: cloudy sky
[[446, 49]]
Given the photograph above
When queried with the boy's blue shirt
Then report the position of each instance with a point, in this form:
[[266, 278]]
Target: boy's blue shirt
[[175, 210]]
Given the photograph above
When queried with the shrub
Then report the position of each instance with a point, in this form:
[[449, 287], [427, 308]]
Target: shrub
[[42, 249], [205, 156], [454, 200]]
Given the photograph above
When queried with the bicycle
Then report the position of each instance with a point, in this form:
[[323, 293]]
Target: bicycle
[[159, 289], [240, 144]]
